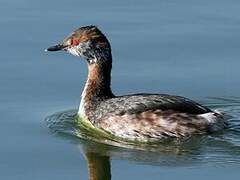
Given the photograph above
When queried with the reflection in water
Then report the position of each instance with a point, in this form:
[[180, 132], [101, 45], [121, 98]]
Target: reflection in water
[[217, 148], [99, 167]]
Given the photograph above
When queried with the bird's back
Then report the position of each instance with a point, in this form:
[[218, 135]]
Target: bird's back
[[137, 103], [147, 117]]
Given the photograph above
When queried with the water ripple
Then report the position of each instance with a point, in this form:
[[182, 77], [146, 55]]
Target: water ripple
[[218, 148]]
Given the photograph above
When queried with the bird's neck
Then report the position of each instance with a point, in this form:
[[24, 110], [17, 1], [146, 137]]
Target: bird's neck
[[97, 88]]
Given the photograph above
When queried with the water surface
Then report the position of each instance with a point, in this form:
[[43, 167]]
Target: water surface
[[188, 48]]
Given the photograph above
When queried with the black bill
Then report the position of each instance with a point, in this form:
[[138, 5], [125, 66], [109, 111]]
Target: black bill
[[57, 47]]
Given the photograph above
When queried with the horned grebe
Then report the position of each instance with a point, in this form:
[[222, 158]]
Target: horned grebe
[[141, 117]]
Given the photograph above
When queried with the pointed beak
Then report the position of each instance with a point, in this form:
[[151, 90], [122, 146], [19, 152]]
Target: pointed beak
[[57, 47]]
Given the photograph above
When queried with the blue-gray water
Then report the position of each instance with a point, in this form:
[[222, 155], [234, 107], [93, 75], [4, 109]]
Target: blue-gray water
[[188, 48]]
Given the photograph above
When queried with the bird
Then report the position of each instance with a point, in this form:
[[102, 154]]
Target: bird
[[140, 117]]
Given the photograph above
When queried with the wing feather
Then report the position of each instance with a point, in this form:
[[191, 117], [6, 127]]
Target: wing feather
[[138, 103]]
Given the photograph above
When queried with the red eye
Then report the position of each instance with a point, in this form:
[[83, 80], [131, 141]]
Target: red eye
[[75, 42]]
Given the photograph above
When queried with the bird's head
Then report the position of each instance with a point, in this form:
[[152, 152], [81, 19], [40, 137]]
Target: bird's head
[[87, 42]]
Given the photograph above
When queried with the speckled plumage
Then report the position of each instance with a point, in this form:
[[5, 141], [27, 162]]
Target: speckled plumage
[[146, 117], [142, 117]]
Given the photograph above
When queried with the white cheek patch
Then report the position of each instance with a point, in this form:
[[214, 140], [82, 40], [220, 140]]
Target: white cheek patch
[[78, 50], [74, 51]]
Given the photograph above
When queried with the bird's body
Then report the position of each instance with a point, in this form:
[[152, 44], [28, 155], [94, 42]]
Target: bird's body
[[142, 117]]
